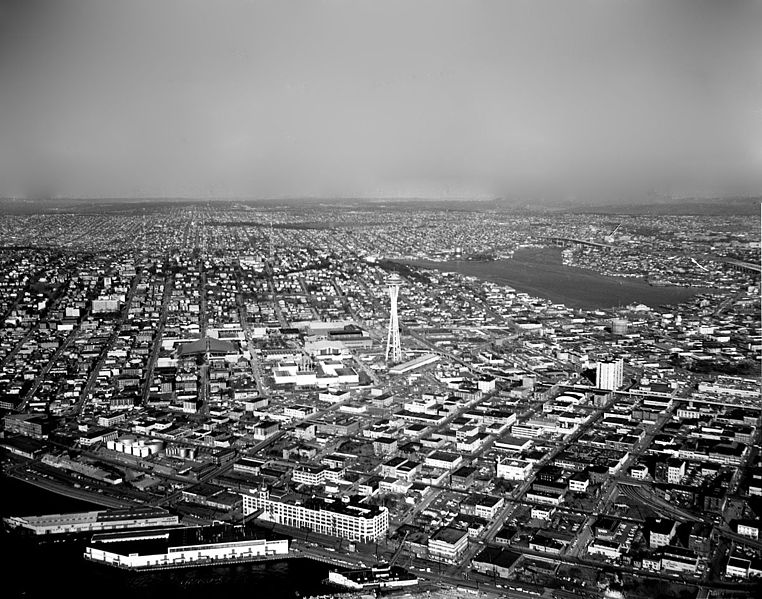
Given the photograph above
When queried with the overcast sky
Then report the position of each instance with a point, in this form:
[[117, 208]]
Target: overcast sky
[[285, 98]]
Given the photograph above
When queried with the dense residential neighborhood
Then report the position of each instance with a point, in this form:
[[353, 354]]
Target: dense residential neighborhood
[[226, 363]]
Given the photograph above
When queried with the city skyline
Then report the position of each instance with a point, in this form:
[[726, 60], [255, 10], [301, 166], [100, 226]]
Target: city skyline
[[574, 409], [431, 297]]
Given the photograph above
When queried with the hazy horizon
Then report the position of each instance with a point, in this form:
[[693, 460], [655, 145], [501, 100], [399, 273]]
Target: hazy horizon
[[431, 99]]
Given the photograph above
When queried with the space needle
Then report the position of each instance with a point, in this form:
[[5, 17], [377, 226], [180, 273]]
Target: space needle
[[393, 345]]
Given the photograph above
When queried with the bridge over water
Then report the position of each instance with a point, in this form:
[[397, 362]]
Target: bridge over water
[[744, 266], [564, 241]]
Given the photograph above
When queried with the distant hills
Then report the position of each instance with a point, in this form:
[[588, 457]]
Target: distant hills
[[737, 206]]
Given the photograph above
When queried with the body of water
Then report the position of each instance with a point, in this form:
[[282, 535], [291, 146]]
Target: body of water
[[540, 273], [32, 569]]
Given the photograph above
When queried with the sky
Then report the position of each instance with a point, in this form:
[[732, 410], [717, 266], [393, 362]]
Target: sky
[[368, 98]]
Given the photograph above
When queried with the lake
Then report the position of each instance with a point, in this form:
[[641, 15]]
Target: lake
[[540, 273]]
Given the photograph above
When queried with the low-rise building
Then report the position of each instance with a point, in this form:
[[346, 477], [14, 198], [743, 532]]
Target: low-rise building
[[349, 519], [513, 469], [448, 544]]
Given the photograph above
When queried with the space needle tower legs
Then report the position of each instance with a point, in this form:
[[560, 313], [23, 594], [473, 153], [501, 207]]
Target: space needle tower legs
[[393, 345]]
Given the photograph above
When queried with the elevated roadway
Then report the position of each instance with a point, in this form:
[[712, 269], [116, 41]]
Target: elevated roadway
[[562, 241]]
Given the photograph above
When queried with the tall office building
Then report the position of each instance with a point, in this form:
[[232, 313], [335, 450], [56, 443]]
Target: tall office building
[[393, 345], [609, 374]]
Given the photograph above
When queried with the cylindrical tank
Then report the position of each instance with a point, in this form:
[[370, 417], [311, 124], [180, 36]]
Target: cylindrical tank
[[619, 326]]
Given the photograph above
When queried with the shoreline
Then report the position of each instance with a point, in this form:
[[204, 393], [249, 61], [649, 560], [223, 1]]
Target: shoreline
[[78, 494], [92, 498], [540, 275]]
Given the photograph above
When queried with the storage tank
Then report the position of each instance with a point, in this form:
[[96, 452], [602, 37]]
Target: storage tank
[[619, 326]]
